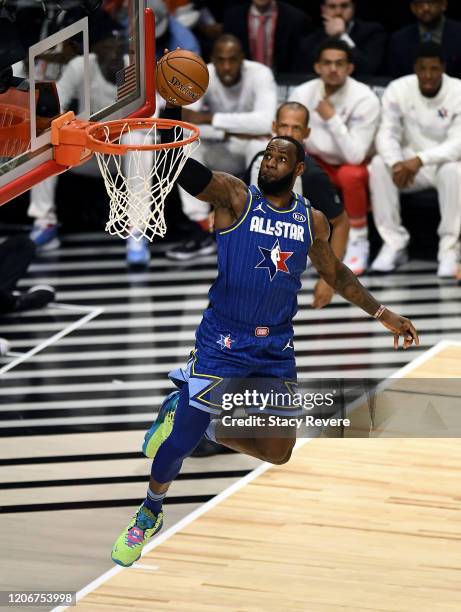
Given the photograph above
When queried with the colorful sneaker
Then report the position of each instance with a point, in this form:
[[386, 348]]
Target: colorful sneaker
[[162, 426], [137, 252], [45, 236], [142, 528]]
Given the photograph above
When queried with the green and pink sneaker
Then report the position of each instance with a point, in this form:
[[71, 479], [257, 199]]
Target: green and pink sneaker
[[141, 529]]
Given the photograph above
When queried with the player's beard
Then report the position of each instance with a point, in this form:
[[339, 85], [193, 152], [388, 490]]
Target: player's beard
[[276, 187]]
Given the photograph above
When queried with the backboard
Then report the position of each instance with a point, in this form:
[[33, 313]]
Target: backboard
[[95, 58]]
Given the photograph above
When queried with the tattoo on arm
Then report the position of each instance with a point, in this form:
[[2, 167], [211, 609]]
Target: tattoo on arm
[[338, 276], [226, 191]]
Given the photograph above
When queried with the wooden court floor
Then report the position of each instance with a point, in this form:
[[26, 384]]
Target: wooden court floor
[[347, 524]]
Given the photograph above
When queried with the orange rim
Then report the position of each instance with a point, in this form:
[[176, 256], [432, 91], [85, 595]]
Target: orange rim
[[114, 129]]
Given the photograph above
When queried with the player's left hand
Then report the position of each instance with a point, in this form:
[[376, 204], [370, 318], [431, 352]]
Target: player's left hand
[[400, 326], [326, 110], [323, 294]]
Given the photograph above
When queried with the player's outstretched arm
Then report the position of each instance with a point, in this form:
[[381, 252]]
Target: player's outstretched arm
[[346, 284], [226, 193]]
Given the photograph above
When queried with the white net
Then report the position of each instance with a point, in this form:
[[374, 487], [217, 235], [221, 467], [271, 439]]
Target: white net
[[139, 181]]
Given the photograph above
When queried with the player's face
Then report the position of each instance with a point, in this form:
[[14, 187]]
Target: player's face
[[428, 11], [227, 59], [333, 67], [292, 123], [339, 8], [279, 168], [429, 71]]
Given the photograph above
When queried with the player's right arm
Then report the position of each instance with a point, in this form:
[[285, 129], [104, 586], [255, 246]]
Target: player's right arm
[[226, 193]]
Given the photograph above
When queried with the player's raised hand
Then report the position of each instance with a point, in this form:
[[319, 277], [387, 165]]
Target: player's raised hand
[[400, 326]]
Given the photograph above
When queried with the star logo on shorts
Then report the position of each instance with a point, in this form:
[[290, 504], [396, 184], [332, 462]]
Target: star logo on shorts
[[225, 342], [274, 260]]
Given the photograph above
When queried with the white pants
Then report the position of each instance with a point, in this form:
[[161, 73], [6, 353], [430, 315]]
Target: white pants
[[42, 205], [446, 178], [232, 155]]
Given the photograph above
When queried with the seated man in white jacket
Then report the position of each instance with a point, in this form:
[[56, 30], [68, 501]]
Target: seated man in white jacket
[[344, 120], [105, 60], [419, 146], [235, 119]]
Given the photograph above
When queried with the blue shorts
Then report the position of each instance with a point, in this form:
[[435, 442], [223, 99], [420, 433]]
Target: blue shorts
[[227, 354]]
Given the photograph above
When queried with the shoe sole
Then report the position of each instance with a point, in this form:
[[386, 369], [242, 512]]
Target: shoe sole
[[118, 562], [149, 435], [453, 275], [148, 438], [185, 256]]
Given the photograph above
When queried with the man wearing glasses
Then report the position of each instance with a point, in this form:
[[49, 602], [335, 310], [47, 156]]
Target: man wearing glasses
[[431, 26], [367, 39]]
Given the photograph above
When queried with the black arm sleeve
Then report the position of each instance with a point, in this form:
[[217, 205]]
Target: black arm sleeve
[[194, 177]]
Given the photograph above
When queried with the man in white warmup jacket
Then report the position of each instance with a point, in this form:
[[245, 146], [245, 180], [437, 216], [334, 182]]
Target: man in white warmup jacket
[[235, 119], [419, 146], [344, 120]]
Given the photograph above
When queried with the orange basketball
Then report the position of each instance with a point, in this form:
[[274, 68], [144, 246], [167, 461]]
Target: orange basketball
[[182, 77]]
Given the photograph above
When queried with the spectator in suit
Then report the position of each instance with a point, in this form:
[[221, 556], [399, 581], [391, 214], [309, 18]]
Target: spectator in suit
[[269, 31], [419, 146], [344, 120], [367, 39], [431, 26], [235, 118]]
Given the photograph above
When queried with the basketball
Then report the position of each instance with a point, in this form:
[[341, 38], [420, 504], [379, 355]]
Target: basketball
[[182, 77]]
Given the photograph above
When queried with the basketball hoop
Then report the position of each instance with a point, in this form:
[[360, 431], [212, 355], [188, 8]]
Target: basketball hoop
[[138, 169], [14, 130]]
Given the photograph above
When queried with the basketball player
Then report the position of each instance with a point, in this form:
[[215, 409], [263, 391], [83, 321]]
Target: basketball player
[[292, 119], [264, 236]]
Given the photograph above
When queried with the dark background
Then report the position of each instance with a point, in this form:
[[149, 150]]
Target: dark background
[[82, 203]]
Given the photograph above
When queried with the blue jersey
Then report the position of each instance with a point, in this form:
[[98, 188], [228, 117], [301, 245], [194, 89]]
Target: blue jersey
[[260, 261]]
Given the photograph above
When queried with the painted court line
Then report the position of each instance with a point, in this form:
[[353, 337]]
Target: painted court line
[[91, 314], [402, 372], [190, 518]]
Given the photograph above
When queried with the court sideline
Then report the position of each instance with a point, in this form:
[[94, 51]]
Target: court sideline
[[102, 380]]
